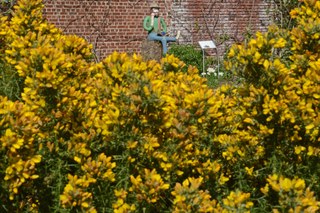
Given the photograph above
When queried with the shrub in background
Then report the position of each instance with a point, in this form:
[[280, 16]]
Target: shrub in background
[[280, 11], [190, 55]]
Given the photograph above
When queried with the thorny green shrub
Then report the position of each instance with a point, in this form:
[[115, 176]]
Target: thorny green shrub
[[125, 135]]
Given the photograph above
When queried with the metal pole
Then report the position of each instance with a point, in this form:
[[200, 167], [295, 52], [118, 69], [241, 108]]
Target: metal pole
[[203, 61], [218, 63]]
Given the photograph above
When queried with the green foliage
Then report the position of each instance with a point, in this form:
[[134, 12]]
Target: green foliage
[[190, 55], [6, 6], [10, 82]]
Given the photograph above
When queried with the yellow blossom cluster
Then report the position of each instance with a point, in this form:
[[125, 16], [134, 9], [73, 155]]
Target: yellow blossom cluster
[[237, 202], [120, 206], [20, 127], [74, 194], [189, 198], [293, 194], [149, 186]]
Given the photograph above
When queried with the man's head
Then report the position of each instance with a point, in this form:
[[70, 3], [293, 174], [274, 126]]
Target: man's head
[[154, 7]]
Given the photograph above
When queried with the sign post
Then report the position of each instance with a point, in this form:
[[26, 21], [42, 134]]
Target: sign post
[[207, 45]]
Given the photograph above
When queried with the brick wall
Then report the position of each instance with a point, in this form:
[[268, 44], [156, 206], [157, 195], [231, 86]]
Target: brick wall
[[223, 21], [116, 25]]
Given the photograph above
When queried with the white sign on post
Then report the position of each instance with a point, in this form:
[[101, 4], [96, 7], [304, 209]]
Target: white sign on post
[[206, 45]]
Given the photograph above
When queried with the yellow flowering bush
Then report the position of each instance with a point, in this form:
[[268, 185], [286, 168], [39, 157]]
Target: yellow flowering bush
[[127, 135], [280, 95]]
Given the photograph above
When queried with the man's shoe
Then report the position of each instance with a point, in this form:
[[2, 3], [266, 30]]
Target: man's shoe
[[178, 35]]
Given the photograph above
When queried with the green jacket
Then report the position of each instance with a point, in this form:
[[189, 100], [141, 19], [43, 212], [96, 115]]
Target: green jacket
[[147, 25]]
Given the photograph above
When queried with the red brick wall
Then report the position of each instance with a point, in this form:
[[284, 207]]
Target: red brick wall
[[223, 21], [116, 25]]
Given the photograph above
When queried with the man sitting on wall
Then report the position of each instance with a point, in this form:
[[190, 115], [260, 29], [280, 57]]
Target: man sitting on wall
[[157, 28]]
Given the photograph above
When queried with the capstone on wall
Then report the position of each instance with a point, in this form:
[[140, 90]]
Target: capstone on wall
[[116, 25]]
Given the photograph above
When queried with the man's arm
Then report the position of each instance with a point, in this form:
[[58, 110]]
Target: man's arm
[[147, 24]]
